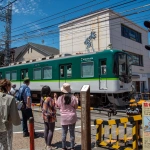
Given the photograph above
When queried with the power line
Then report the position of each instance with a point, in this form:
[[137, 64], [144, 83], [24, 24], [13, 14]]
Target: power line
[[79, 10], [57, 17], [44, 28], [56, 14], [10, 3], [72, 33]]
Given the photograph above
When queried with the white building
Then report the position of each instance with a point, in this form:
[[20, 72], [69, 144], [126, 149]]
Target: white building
[[110, 27]]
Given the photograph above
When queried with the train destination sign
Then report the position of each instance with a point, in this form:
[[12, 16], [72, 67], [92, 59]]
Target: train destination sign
[[87, 59], [146, 125]]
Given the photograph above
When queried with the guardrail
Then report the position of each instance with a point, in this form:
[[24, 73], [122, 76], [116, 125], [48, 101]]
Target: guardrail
[[103, 140]]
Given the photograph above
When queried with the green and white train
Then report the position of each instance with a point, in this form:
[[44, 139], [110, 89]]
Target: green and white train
[[107, 72]]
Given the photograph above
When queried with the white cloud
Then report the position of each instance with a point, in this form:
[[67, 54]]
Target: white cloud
[[28, 7]]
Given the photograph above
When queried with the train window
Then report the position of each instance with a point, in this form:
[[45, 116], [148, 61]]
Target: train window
[[7, 75], [14, 75], [24, 73], [47, 73], [103, 67], [37, 73], [62, 71], [1, 75], [87, 69], [69, 71]]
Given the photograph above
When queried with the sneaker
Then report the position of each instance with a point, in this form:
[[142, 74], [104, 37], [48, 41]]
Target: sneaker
[[35, 135], [25, 134], [49, 148]]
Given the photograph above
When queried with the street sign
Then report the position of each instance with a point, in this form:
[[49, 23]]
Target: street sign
[[146, 125], [85, 118]]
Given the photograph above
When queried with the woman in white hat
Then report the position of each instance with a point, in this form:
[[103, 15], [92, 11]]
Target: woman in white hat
[[68, 104]]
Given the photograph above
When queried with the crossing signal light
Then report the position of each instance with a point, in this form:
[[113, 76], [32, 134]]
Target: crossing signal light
[[147, 24]]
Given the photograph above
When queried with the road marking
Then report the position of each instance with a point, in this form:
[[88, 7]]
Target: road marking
[[56, 129]]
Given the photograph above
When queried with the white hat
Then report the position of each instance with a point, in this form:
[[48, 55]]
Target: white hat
[[66, 88]]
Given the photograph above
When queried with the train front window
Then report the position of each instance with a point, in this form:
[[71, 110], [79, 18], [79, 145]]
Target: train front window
[[129, 65], [122, 67]]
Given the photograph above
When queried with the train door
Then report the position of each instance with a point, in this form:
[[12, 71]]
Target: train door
[[1, 76], [24, 73], [65, 71], [102, 74]]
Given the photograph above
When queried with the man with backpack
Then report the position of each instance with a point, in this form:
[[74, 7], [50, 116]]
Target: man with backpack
[[24, 95]]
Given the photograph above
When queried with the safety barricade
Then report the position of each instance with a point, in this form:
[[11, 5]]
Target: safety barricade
[[104, 139]]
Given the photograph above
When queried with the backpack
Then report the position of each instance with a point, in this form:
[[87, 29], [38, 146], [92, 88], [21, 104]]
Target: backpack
[[4, 109], [20, 99]]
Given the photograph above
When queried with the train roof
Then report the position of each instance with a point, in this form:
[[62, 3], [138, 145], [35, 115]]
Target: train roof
[[56, 57]]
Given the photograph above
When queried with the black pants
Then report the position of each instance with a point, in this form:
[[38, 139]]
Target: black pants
[[48, 133], [26, 114]]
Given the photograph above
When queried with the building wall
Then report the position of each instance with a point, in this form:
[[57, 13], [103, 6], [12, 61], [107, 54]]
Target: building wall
[[120, 42], [73, 35], [107, 26], [31, 54]]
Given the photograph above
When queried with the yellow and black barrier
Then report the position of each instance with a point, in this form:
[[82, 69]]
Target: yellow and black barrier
[[107, 141]]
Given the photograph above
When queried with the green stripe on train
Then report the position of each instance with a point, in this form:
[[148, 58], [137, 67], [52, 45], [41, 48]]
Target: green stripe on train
[[71, 80]]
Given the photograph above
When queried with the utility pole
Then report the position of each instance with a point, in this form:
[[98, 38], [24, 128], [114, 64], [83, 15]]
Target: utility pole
[[6, 16]]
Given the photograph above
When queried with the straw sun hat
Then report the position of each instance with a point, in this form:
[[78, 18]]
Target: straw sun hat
[[66, 88]]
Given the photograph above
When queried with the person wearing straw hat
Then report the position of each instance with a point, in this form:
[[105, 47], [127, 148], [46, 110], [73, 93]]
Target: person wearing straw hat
[[67, 103]]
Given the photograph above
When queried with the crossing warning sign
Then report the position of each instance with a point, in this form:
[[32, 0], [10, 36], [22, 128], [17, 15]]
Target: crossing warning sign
[[146, 125]]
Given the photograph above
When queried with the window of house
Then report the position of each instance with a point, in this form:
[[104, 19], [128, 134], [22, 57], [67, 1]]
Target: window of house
[[137, 60], [87, 69], [69, 71], [14, 75], [130, 34], [37, 74], [47, 73], [7, 75]]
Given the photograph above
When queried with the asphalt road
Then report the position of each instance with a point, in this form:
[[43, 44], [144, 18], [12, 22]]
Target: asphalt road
[[38, 121], [39, 126]]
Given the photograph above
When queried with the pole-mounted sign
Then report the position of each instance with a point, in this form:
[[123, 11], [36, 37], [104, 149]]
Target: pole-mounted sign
[[146, 125], [85, 118]]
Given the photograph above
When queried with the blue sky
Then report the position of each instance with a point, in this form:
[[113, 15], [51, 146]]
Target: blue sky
[[26, 12]]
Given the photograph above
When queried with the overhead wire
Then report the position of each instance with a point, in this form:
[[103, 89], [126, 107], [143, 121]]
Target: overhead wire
[[44, 28], [55, 14], [85, 30], [34, 31], [10, 3], [83, 9]]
